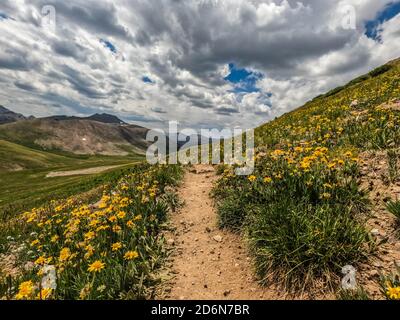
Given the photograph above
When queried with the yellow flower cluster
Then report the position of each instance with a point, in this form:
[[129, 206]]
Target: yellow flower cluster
[[95, 239]]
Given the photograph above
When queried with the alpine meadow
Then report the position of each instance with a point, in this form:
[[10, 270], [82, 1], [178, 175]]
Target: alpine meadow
[[101, 200]]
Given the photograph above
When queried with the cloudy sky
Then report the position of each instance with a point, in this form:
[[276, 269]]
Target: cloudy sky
[[204, 63]]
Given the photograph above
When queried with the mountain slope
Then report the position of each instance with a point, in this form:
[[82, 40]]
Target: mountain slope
[[364, 93], [103, 118], [8, 116], [106, 118], [316, 201], [14, 157], [79, 136]]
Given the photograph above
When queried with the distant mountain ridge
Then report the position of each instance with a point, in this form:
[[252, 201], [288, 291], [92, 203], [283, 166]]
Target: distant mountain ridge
[[103, 118], [8, 116], [78, 136], [103, 134], [106, 118]]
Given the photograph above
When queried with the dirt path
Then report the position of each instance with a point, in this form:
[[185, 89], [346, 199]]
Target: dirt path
[[80, 172], [208, 263], [382, 225]]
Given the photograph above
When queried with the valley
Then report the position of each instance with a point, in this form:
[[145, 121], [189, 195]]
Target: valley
[[324, 198], [25, 181]]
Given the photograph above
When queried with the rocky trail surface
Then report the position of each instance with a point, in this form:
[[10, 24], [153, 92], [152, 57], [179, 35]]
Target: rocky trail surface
[[208, 263]]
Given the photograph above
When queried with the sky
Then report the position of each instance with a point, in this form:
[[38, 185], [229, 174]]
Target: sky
[[205, 63]]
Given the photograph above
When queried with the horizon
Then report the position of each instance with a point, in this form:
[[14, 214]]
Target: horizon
[[116, 60], [199, 157]]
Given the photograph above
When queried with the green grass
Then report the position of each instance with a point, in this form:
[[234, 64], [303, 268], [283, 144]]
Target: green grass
[[394, 208], [24, 189], [350, 295], [295, 235], [131, 214], [393, 157]]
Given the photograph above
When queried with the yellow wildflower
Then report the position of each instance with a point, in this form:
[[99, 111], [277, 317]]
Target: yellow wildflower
[[25, 290], [35, 243], [41, 260], [393, 293], [96, 266], [116, 246], [44, 294], [65, 254], [130, 255], [89, 235], [116, 228], [267, 179], [326, 195], [121, 215]]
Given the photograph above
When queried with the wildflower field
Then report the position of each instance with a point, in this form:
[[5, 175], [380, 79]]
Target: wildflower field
[[303, 211], [106, 250]]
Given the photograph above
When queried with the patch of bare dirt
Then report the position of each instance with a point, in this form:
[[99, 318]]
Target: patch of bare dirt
[[394, 105], [208, 263], [382, 224], [13, 167], [8, 265], [80, 172]]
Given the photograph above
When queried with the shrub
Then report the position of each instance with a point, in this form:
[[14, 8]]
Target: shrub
[[301, 211], [232, 212], [304, 242], [380, 70]]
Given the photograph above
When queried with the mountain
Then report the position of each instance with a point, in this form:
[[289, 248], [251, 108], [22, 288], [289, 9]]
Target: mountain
[[106, 118], [8, 116], [77, 135], [103, 118]]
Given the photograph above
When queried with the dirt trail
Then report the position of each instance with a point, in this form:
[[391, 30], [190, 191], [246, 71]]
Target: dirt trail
[[208, 263], [80, 172]]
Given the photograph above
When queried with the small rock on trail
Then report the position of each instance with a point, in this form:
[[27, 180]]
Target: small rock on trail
[[218, 238]]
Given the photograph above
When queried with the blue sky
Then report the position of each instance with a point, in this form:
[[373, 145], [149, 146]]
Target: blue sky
[[3, 16], [109, 45], [146, 79], [244, 81], [114, 57], [390, 11]]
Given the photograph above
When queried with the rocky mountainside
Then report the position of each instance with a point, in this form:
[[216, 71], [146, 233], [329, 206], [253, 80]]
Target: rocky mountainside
[[77, 135], [8, 116]]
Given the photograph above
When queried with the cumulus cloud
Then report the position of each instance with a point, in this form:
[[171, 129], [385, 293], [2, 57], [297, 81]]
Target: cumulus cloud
[[149, 61]]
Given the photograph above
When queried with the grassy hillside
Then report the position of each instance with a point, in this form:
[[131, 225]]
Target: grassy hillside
[[111, 250], [23, 174], [304, 210], [16, 157]]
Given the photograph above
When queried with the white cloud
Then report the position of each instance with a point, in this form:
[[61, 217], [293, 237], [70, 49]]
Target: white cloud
[[184, 47]]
